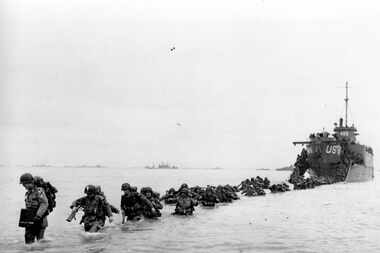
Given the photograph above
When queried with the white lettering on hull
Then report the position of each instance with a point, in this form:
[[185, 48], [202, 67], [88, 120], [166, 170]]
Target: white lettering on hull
[[333, 149]]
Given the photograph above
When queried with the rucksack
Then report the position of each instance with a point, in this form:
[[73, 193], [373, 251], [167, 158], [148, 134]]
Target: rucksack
[[50, 192]]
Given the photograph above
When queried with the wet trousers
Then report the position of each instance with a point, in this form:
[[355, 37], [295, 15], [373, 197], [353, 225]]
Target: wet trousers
[[34, 232], [93, 226]]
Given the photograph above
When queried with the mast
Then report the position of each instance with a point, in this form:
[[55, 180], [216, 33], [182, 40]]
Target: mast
[[346, 100]]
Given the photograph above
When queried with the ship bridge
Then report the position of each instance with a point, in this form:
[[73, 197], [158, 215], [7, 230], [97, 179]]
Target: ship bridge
[[346, 133]]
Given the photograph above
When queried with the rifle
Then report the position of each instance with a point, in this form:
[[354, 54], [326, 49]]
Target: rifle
[[72, 214]]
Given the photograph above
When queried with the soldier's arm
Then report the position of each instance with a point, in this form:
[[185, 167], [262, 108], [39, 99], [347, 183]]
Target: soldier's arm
[[108, 211], [107, 207], [146, 201], [122, 208], [122, 204], [157, 204], [77, 203], [114, 209], [43, 204]]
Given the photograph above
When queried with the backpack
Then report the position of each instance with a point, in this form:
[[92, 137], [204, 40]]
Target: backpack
[[50, 192]]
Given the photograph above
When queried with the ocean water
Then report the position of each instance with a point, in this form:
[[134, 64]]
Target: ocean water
[[333, 218]]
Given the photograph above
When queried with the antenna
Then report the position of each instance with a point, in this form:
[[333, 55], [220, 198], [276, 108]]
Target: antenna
[[346, 100]]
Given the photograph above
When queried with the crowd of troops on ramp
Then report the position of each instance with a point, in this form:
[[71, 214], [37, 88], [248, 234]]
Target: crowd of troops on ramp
[[135, 205]]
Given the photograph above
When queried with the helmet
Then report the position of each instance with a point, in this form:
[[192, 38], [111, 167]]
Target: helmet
[[184, 186], [133, 189], [26, 178], [90, 189], [146, 189], [125, 187]]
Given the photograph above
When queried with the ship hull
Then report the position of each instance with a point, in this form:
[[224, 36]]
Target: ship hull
[[354, 173], [362, 172], [359, 173]]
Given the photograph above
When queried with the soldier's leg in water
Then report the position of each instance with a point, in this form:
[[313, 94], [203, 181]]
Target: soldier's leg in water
[[157, 214], [134, 218], [87, 226], [29, 235], [40, 229], [149, 214], [40, 234], [95, 226], [180, 211]]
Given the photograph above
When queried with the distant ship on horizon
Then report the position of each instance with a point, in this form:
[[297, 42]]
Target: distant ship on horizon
[[162, 165], [85, 166]]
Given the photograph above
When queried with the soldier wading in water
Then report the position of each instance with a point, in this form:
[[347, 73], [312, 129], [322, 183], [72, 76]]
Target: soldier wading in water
[[154, 198], [185, 203], [34, 217], [133, 204], [95, 209]]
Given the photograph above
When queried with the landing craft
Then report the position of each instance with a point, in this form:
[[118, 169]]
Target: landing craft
[[337, 157]]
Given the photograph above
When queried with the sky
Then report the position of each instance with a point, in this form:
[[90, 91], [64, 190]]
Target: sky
[[95, 82]]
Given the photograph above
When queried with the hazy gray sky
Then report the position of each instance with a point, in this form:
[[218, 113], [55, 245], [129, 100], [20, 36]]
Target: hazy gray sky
[[95, 81]]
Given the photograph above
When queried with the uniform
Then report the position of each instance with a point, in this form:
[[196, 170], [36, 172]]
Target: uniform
[[153, 197], [134, 204], [37, 201], [185, 204], [209, 198], [95, 211]]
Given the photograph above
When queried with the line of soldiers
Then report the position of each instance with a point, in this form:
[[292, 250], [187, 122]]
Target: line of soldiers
[[254, 186], [146, 203], [283, 187], [134, 205], [207, 196], [301, 183]]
